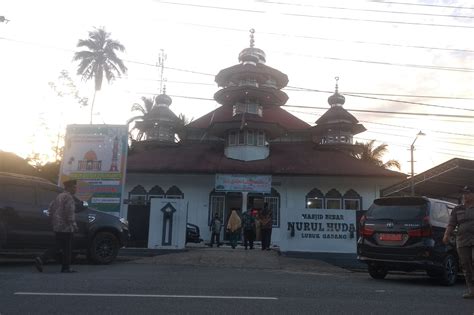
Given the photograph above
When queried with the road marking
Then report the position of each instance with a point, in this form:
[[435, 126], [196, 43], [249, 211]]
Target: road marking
[[151, 295], [380, 291]]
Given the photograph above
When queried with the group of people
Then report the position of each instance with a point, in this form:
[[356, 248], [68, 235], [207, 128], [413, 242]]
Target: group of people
[[254, 224]]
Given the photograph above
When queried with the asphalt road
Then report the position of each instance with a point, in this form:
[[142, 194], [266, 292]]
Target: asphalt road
[[139, 287]]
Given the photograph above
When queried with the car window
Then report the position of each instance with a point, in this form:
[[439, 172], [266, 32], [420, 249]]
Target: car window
[[439, 212], [19, 194], [396, 212], [45, 196]]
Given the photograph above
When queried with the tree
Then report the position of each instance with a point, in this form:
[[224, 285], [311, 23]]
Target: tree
[[65, 87], [145, 110], [99, 59], [182, 122], [374, 155]]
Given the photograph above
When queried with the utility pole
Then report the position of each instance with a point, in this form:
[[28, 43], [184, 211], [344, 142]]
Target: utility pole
[[161, 64], [412, 148]]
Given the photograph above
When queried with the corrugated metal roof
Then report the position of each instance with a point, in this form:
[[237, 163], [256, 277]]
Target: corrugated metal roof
[[286, 158]]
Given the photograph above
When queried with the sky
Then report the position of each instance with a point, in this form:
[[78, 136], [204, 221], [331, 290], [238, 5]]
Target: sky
[[403, 66]]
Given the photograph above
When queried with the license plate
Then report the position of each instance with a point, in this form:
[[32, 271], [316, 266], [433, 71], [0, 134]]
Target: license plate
[[390, 237]]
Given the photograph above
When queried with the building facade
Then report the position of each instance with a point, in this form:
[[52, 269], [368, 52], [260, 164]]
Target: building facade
[[249, 152]]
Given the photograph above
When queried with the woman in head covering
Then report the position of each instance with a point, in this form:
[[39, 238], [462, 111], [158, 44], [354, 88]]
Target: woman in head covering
[[233, 227]]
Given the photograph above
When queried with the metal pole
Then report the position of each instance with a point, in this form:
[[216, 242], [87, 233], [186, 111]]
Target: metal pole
[[412, 147]]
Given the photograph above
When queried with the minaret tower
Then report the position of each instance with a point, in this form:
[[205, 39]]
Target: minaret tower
[[160, 124], [249, 89], [337, 126]]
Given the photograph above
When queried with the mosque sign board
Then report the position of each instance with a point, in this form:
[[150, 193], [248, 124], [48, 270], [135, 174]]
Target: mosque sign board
[[319, 230], [96, 156], [243, 182]]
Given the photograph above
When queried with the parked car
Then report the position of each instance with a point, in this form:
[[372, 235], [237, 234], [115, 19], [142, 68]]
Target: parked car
[[192, 233], [25, 223], [405, 234]]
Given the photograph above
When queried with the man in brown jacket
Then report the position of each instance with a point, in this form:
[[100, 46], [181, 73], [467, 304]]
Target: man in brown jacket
[[463, 217], [62, 214]]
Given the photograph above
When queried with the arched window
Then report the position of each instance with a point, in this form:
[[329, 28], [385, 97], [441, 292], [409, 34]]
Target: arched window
[[333, 199], [174, 193], [315, 199], [137, 196], [273, 200], [352, 200], [156, 192]]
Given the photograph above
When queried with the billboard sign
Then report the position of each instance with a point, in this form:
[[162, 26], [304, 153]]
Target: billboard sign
[[96, 156]]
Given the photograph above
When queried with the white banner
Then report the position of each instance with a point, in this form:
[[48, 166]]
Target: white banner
[[238, 182]]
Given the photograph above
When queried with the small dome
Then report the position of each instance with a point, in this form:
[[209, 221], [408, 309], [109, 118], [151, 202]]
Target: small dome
[[163, 99], [90, 156], [252, 54], [336, 99]]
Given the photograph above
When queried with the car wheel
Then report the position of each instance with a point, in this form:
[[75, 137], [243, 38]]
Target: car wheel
[[377, 271], [449, 273], [103, 249]]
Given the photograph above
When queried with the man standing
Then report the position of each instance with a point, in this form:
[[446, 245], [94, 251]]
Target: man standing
[[62, 214], [266, 223], [463, 217], [248, 224], [216, 226]]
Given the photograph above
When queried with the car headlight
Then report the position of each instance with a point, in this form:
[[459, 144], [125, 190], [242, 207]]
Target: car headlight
[[124, 221]]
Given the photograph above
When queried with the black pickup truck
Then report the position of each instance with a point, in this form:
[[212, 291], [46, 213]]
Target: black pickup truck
[[25, 223]]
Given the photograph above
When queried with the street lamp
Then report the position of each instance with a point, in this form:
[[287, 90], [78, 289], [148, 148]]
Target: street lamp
[[412, 148]]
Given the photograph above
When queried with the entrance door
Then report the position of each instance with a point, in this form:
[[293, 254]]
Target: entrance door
[[233, 202]]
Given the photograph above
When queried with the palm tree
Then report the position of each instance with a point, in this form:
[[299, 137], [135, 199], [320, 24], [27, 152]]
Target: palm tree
[[99, 59], [181, 128], [374, 155], [145, 110]]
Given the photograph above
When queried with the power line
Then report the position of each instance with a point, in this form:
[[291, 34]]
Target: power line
[[407, 147], [323, 108], [409, 137], [312, 56], [208, 74], [388, 112], [376, 21], [355, 94], [373, 10], [416, 128], [333, 39], [397, 126], [421, 4], [171, 68], [319, 16], [386, 99], [385, 63], [342, 59]]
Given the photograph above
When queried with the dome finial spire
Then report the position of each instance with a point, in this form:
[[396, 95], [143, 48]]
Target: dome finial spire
[[252, 39], [336, 99]]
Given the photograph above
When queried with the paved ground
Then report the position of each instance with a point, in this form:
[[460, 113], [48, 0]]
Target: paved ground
[[225, 256]]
